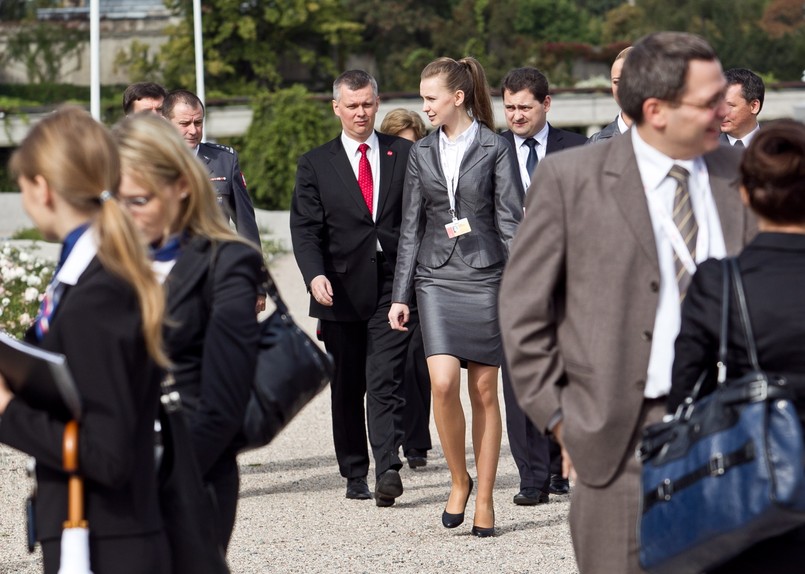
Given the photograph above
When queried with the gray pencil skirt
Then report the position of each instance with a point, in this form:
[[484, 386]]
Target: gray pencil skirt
[[458, 310]]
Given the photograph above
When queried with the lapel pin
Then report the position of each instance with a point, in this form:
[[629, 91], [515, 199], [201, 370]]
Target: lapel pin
[[389, 152]]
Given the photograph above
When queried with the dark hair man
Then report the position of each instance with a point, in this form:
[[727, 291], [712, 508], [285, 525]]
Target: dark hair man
[[526, 102], [143, 96], [590, 299], [745, 93]]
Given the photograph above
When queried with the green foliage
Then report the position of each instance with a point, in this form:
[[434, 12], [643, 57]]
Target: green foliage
[[286, 124], [28, 233], [138, 61], [44, 48], [256, 45]]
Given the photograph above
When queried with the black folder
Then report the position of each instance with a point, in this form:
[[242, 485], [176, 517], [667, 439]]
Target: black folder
[[41, 378]]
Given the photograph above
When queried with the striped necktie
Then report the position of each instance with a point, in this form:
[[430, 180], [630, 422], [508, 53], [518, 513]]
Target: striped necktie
[[686, 223]]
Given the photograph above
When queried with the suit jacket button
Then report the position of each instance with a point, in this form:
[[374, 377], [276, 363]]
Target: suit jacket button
[[646, 336], [373, 260], [641, 384], [655, 286]]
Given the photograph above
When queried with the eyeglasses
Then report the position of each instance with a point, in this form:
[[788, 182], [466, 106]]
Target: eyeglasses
[[712, 105], [136, 201]]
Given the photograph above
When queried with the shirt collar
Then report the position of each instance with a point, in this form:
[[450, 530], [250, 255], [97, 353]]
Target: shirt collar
[[78, 258], [463, 138], [622, 127], [541, 136], [351, 145], [653, 164], [746, 139]]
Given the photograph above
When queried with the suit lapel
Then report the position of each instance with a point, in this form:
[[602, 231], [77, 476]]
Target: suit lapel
[[432, 160], [621, 180], [476, 151], [730, 212], [554, 142], [388, 157], [192, 265], [343, 170]]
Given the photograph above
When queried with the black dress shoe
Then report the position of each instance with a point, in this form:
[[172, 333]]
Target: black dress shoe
[[357, 489], [416, 458], [388, 487], [453, 520], [559, 485], [481, 532], [530, 497]]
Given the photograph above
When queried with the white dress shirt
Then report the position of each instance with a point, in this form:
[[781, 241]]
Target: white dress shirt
[[659, 189], [451, 153], [522, 152]]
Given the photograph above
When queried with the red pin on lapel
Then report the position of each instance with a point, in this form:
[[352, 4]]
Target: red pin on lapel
[[389, 152]]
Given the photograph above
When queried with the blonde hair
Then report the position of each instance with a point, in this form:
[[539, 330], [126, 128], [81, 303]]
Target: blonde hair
[[400, 119], [78, 159], [153, 153], [466, 75]]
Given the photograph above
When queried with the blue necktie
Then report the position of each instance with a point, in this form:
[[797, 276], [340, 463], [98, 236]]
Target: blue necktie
[[532, 160]]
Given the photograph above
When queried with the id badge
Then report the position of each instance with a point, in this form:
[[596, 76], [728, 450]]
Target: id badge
[[457, 227]]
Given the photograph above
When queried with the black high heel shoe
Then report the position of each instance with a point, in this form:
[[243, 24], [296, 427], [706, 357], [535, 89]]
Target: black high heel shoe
[[452, 520], [484, 532]]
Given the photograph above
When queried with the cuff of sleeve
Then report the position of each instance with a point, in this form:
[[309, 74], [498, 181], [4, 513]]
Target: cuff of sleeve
[[555, 419]]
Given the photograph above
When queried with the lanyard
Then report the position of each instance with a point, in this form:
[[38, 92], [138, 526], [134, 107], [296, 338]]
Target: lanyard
[[673, 234], [452, 179]]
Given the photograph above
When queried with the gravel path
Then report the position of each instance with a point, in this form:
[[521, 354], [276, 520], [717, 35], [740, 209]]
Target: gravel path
[[293, 517]]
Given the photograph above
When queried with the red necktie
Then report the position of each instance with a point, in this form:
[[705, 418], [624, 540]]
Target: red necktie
[[365, 176]]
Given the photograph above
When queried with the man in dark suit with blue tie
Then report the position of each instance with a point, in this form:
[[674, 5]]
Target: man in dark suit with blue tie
[[526, 102], [345, 222]]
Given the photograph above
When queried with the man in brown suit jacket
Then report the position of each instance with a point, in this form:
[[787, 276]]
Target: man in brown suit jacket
[[589, 304]]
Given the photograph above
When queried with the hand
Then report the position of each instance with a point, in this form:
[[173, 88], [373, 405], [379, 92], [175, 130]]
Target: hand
[[398, 316], [322, 290], [568, 471], [5, 394], [261, 304]]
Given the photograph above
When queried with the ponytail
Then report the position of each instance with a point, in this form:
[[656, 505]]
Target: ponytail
[[468, 76]]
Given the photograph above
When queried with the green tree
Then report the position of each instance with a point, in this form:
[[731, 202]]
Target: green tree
[[44, 48], [139, 62], [253, 44], [286, 124]]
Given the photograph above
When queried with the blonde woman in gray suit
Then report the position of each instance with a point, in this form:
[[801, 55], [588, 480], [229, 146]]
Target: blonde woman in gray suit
[[462, 202]]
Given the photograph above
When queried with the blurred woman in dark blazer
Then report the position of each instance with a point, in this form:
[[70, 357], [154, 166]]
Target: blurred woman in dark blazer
[[773, 272], [462, 202], [103, 310], [212, 277]]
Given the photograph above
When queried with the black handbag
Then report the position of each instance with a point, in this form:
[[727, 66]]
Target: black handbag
[[727, 471], [186, 504], [291, 371]]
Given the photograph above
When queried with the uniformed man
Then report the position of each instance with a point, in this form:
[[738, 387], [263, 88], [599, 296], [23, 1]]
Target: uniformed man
[[185, 110]]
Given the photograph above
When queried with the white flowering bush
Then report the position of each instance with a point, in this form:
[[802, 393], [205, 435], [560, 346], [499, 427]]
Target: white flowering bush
[[23, 279]]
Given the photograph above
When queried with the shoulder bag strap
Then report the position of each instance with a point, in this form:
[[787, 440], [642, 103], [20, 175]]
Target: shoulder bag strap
[[270, 286], [721, 364], [751, 349]]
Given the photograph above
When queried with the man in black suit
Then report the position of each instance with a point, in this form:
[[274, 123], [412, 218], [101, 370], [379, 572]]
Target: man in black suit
[[345, 222], [186, 111], [526, 103]]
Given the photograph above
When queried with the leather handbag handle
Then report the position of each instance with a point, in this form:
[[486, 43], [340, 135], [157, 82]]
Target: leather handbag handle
[[751, 348]]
